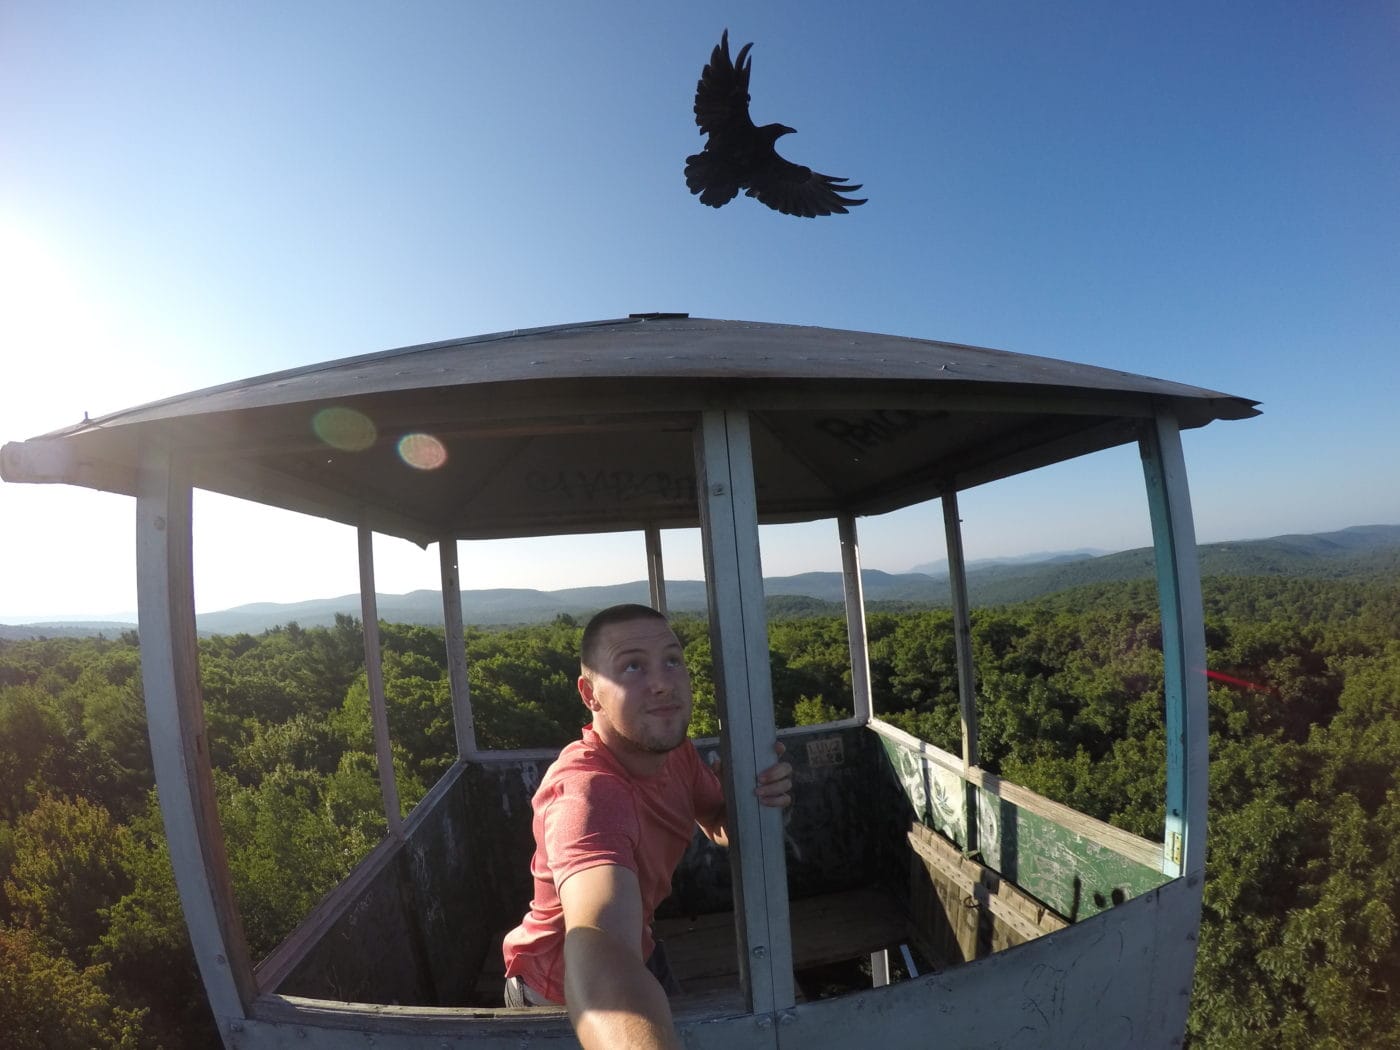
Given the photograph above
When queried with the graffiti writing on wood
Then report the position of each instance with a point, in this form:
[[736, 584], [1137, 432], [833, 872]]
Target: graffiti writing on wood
[[875, 428], [825, 752], [611, 486]]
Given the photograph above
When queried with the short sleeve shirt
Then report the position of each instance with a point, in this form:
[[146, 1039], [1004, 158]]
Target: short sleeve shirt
[[589, 811]]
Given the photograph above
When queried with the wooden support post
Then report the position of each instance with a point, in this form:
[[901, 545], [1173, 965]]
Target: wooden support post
[[967, 679], [1183, 646], [656, 572], [854, 593], [739, 641], [374, 674], [462, 720], [179, 746]]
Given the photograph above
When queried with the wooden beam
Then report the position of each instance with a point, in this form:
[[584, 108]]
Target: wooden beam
[[374, 674], [962, 628], [967, 681], [463, 721], [656, 571], [857, 639], [739, 642], [58, 461], [271, 487], [179, 745]]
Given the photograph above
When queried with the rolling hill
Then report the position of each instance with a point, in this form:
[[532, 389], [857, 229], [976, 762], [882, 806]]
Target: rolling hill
[[1361, 551]]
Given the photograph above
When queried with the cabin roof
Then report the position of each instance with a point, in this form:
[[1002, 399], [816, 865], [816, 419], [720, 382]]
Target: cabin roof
[[588, 427]]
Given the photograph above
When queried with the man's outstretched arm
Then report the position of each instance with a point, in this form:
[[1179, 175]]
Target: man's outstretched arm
[[614, 1001]]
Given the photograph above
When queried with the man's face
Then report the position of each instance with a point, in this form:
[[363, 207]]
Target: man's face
[[640, 691]]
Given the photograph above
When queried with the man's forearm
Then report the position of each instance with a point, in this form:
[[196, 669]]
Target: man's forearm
[[614, 1002]]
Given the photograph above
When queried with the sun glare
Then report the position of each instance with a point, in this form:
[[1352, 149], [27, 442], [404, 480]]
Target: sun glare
[[49, 331]]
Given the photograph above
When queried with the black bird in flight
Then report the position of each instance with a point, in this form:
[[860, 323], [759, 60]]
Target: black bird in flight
[[741, 156]]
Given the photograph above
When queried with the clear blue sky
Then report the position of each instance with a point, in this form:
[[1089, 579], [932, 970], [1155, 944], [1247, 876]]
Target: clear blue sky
[[1205, 192]]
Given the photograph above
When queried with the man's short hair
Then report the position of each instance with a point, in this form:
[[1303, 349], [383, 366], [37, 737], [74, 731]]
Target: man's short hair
[[588, 647]]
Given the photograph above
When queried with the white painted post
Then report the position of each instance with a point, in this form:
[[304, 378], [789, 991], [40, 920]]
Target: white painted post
[[857, 639], [880, 968], [462, 719], [656, 572], [374, 674], [1183, 646], [179, 746], [743, 680]]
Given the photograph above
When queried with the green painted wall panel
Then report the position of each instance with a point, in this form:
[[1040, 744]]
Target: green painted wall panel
[[1072, 874]]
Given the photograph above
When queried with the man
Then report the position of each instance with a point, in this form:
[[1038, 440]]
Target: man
[[612, 818]]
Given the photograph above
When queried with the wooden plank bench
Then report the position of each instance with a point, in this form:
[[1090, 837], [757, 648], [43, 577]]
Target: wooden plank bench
[[830, 928]]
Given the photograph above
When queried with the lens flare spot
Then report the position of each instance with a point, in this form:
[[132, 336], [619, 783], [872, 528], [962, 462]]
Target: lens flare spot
[[422, 451], [344, 428]]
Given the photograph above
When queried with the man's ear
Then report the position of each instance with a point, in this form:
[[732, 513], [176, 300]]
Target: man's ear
[[585, 692]]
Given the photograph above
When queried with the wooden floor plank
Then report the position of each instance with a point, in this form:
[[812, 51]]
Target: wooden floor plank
[[825, 929]]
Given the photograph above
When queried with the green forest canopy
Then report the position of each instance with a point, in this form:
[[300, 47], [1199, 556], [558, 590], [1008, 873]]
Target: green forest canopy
[[1299, 944]]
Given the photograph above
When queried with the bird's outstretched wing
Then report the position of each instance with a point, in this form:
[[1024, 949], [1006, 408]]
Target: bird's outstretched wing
[[722, 92], [797, 190]]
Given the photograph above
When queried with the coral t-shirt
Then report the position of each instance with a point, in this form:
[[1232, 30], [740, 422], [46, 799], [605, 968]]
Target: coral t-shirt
[[590, 811]]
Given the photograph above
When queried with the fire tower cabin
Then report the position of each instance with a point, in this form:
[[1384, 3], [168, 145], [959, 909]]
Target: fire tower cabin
[[986, 915]]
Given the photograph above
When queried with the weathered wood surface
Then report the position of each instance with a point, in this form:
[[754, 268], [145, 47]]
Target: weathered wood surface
[[291, 1023], [1075, 864], [724, 467], [179, 743], [1183, 644], [293, 965], [962, 635], [963, 909], [1111, 982], [1103, 984], [844, 834], [656, 570], [846, 421], [1184, 662], [856, 634], [842, 839], [463, 720], [374, 677], [825, 929], [408, 926]]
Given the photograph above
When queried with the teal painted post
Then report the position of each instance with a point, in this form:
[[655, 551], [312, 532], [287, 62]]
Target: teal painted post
[[1183, 646]]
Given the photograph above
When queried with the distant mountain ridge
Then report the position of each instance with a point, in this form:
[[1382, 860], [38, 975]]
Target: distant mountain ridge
[[1363, 550], [940, 567]]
